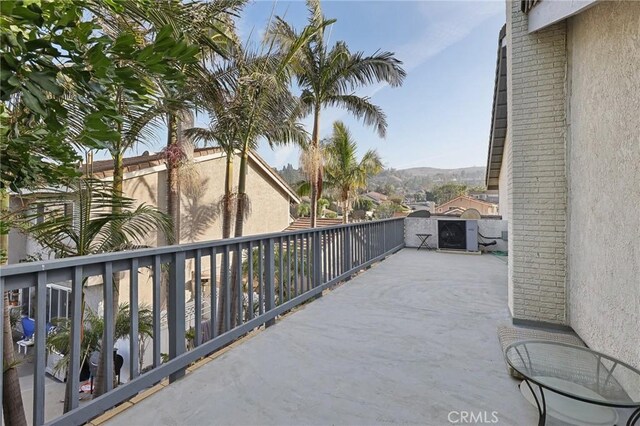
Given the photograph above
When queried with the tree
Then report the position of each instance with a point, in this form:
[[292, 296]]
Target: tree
[[363, 204], [56, 64], [93, 328], [448, 192], [344, 173], [328, 77], [387, 209], [94, 226], [210, 27], [217, 137], [304, 209], [269, 111]]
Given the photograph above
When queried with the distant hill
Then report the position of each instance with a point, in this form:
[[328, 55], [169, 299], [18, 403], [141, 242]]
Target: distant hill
[[432, 171], [425, 178], [407, 181]]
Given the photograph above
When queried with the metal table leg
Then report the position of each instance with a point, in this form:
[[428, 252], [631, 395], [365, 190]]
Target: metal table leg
[[541, 403]]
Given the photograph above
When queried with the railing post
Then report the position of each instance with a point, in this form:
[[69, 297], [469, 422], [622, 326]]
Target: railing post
[[176, 311], [2, 308], [347, 249], [39, 359], [269, 287], [317, 260], [384, 237], [107, 341], [133, 320]]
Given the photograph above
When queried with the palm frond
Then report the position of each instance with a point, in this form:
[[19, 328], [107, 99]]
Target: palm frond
[[362, 109]]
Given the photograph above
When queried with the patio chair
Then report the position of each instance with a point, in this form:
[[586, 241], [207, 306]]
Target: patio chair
[[28, 334]]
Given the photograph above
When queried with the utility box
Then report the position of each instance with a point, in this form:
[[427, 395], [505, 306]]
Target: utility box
[[458, 234]]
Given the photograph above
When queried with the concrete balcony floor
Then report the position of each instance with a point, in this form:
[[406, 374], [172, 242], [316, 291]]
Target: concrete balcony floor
[[408, 341]]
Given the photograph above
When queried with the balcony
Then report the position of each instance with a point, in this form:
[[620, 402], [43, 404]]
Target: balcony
[[411, 339], [408, 341]]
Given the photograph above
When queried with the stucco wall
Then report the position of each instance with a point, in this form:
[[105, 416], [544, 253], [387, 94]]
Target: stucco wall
[[424, 225], [202, 187], [604, 178]]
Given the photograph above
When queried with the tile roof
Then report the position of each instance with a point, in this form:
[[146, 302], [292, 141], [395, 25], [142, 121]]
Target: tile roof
[[305, 223]]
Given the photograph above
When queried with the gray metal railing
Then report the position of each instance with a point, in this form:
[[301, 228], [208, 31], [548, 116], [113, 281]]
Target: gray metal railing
[[271, 274]]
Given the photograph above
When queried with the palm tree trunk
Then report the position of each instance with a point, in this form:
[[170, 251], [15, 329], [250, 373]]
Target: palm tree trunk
[[242, 192], [117, 191], [345, 211], [226, 233], [11, 393], [13, 408], [315, 142], [118, 182], [238, 231], [228, 195], [173, 184]]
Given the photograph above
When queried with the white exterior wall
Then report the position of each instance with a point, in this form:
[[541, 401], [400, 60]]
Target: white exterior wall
[[604, 178], [503, 181], [429, 225]]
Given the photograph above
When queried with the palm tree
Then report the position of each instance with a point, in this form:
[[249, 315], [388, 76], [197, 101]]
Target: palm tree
[[206, 26], [253, 105], [273, 118], [13, 408], [343, 171], [93, 326], [98, 222], [223, 136], [329, 77]]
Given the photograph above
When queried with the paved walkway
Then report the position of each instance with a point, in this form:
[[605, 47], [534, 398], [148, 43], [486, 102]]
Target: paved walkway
[[409, 341]]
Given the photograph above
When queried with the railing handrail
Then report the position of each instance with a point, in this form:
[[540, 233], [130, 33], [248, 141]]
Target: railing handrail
[[290, 268], [63, 263]]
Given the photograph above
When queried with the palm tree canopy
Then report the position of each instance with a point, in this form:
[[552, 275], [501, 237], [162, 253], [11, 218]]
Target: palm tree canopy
[[343, 171], [254, 105], [329, 77], [93, 225]]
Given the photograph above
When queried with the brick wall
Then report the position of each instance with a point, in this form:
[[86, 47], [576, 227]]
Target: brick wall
[[537, 182]]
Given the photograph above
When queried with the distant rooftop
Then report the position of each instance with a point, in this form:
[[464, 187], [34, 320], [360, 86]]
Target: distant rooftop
[[305, 223]]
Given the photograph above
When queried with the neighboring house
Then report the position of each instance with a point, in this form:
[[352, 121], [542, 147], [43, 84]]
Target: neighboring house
[[464, 202], [305, 223], [564, 153], [453, 211], [430, 206], [488, 196], [201, 187], [376, 197]]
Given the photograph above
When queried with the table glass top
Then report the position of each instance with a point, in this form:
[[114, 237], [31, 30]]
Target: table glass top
[[577, 372]]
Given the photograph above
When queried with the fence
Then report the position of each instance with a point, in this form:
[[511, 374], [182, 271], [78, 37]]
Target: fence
[[253, 280]]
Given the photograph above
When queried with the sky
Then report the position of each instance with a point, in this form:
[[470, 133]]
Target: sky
[[440, 117]]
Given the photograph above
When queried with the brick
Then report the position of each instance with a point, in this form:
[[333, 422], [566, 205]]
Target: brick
[[537, 183]]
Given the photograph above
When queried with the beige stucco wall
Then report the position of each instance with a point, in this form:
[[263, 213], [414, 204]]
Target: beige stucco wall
[[604, 178], [201, 190], [202, 186]]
